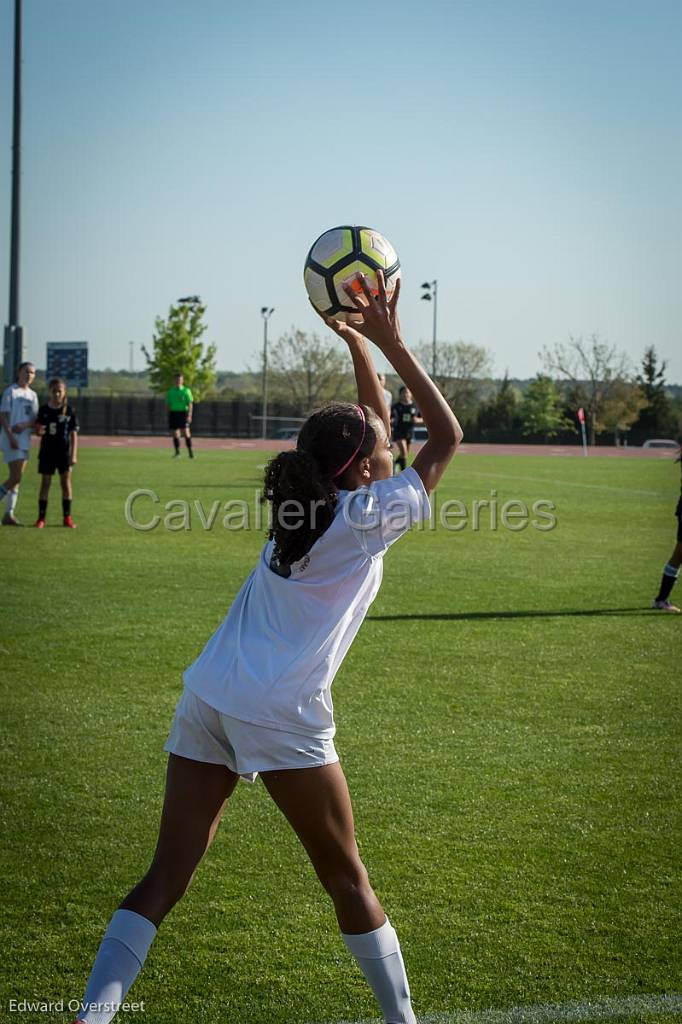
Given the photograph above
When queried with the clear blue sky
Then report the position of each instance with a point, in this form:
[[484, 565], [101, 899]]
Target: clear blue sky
[[526, 154]]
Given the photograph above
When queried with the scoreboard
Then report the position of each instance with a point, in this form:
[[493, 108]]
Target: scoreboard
[[68, 359]]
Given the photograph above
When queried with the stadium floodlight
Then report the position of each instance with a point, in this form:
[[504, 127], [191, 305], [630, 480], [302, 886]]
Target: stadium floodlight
[[266, 312], [14, 340], [430, 289]]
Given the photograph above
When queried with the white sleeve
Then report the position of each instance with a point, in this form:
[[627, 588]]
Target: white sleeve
[[380, 514], [6, 403]]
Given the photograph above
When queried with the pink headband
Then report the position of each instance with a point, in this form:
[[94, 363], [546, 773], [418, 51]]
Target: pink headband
[[362, 440]]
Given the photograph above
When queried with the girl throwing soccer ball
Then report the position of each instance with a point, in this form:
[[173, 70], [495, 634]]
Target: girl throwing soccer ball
[[58, 449], [257, 699]]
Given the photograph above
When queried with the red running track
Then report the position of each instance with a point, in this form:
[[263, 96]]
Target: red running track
[[230, 444]]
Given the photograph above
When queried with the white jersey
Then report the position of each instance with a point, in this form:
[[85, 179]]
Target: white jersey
[[20, 405], [273, 659], [388, 399]]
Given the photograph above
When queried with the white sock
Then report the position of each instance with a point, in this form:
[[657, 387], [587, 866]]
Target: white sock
[[381, 962], [119, 960], [11, 499]]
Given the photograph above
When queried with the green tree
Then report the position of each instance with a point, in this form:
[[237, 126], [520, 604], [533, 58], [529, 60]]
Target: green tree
[[461, 370], [309, 370], [177, 348], [497, 415], [621, 409], [657, 416], [593, 369], [541, 411]]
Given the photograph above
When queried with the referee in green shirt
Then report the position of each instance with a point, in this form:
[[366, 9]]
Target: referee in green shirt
[[180, 404]]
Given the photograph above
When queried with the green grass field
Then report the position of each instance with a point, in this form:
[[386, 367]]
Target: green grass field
[[508, 719]]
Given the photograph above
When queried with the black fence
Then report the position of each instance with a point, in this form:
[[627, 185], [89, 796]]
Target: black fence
[[103, 414], [122, 415]]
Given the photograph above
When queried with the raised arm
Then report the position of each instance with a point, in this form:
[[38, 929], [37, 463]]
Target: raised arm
[[381, 325], [370, 391]]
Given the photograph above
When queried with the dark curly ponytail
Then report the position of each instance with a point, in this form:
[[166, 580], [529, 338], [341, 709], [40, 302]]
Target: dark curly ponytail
[[303, 484]]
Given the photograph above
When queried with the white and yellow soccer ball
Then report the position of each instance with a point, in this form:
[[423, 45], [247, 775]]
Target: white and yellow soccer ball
[[338, 257]]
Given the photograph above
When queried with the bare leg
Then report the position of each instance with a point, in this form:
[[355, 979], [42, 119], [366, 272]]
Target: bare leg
[[670, 573], [195, 797], [65, 481], [316, 803], [401, 458], [45, 482], [11, 491], [16, 470], [676, 557]]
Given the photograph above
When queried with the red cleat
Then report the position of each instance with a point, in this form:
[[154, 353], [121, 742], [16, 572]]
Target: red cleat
[[40, 524], [68, 522]]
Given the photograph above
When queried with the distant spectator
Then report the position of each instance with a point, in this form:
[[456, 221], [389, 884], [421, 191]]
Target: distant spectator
[[180, 405], [18, 411]]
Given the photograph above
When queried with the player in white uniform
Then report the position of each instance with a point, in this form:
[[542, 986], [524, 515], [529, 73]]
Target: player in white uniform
[[388, 397], [258, 700], [18, 413]]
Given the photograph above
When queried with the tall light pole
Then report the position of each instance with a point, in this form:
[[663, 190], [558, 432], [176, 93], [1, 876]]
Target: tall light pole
[[430, 289], [14, 347], [266, 313]]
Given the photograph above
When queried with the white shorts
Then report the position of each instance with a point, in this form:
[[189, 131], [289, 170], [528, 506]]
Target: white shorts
[[10, 454], [201, 733]]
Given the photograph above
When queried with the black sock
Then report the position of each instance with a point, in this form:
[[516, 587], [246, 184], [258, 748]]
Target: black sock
[[176, 442], [42, 508], [188, 442], [668, 581], [66, 506]]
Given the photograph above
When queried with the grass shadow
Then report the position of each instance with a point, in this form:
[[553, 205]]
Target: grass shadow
[[482, 616]]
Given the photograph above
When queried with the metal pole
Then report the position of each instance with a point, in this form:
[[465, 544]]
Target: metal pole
[[16, 173], [14, 346], [435, 315], [265, 377]]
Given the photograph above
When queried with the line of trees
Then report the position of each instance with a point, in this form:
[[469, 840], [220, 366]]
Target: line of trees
[[582, 373], [306, 370]]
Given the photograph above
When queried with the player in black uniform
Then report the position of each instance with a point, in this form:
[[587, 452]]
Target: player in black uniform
[[404, 417], [672, 569], [58, 429]]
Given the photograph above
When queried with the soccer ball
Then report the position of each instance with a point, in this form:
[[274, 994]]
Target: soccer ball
[[337, 257]]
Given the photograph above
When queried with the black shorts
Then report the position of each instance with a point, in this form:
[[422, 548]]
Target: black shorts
[[402, 435], [51, 462], [177, 420]]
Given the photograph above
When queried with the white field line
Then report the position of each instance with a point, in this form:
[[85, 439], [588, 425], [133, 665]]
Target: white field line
[[597, 1009], [625, 491]]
